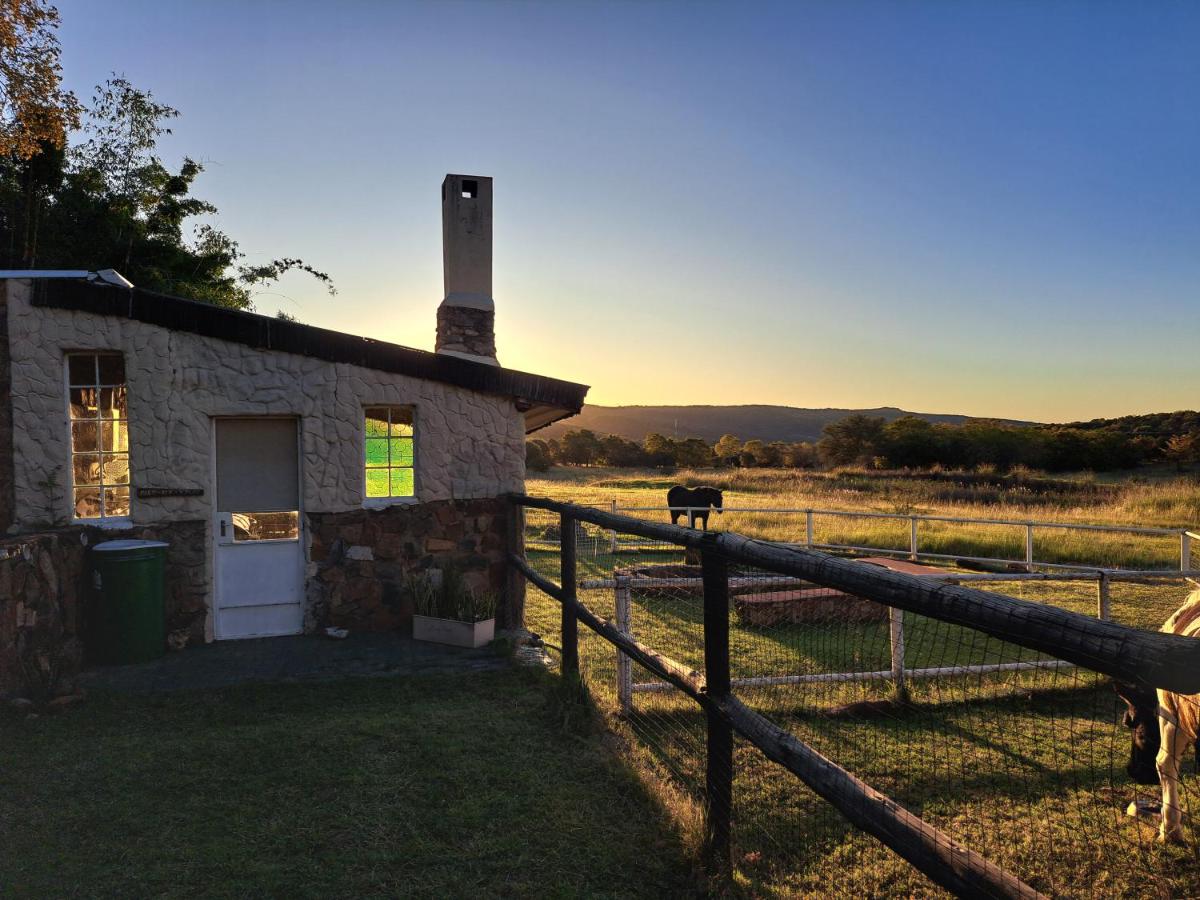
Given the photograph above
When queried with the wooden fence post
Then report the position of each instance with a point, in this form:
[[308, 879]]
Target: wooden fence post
[[1103, 607], [612, 534], [718, 782], [570, 623], [1185, 551], [624, 664], [512, 614], [896, 635]]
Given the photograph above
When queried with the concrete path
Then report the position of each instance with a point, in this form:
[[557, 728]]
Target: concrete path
[[299, 658]]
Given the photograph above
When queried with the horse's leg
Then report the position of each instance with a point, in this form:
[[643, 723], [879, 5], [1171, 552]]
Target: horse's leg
[[704, 519], [1173, 743]]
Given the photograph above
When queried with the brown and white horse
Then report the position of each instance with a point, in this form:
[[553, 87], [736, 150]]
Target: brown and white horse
[[1178, 718]]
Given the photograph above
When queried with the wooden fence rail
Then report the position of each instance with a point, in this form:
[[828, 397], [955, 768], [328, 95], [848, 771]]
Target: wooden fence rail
[[930, 850], [1127, 654]]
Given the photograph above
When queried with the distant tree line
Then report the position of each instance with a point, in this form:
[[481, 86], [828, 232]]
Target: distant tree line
[[909, 442]]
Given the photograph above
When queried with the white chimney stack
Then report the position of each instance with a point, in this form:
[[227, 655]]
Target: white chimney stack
[[466, 320]]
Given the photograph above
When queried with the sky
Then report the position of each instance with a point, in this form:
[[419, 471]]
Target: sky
[[980, 208]]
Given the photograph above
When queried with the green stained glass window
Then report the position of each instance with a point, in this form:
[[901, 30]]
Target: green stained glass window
[[96, 407], [377, 482], [389, 452]]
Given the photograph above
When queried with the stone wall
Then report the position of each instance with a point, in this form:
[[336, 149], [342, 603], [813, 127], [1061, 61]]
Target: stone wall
[[44, 596], [7, 498], [469, 445], [41, 611], [360, 560]]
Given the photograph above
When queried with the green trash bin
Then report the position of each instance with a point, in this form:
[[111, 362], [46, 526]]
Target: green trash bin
[[128, 618]]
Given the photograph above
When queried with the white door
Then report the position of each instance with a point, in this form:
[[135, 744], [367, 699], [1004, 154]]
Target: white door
[[258, 558]]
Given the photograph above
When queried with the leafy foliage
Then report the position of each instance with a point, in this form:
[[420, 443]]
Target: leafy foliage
[[110, 201], [446, 595], [35, 111]]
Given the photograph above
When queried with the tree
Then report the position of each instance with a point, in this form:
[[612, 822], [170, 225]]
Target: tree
[[35, 111], [1183, 449], [727, 449], [910, 442], [580, 448], [537, 459], [854, 439], [692, 453], [660, 451], [111, 202], [618, 451]]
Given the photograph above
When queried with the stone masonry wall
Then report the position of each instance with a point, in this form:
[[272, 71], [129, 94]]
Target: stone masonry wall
[[468, 445], [44, 597], [41, 611], [7, 499], [360, 560]]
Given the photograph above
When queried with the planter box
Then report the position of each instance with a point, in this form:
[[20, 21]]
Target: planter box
[[457, 634]]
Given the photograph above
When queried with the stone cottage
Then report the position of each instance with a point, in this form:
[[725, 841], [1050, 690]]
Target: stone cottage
[[298, 474]]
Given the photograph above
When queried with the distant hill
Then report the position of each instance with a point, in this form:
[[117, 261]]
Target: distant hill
[[766, 423]]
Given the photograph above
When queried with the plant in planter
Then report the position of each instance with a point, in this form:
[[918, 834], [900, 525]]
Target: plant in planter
[[447, 611]]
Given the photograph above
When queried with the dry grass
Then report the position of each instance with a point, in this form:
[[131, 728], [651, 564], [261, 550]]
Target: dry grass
[[1025, 768], [1161, 501]]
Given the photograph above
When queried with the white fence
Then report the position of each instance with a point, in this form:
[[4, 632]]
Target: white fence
[[913, 551], [624, 585]]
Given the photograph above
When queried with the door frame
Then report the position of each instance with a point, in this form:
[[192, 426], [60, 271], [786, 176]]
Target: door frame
[[213, 511]]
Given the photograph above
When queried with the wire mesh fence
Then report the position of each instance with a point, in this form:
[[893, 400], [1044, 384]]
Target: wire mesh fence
[[1015, 754]]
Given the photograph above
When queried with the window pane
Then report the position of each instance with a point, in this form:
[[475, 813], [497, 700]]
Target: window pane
[[377, 452], [85, 437], [112, 369], [81, 368], [266, 526], [83, 403], [87, 503], [377, 423], [116, 501], [115, 436], [377, 482], [401, 421], [402, 451], [86, 468], [112, 403], [402, 482], [115, 469]]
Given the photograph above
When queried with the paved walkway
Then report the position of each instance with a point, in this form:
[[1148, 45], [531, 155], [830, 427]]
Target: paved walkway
[[299, 658]]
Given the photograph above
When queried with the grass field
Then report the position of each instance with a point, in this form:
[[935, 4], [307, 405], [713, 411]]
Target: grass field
[[430, 786], [1024, 767], [1152, 500]]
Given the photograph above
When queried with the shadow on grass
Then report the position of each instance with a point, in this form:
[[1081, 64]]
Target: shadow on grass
[[433, 786]]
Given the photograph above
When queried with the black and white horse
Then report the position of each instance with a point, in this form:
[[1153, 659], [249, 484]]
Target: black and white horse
[[693, 501], [1163, 724]]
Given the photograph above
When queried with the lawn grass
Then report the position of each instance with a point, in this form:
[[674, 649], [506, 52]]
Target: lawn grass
[[434, 786]]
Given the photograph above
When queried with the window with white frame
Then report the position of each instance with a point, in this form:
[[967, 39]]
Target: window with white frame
[[96, 403], [389, 452]]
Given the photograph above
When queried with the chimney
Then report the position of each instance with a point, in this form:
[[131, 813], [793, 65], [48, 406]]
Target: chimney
[[466, 320]]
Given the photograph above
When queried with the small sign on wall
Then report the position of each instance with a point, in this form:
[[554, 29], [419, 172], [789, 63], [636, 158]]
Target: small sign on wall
[[150, 492]]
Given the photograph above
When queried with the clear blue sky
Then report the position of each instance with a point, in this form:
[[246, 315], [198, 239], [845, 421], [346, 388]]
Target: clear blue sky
[[987, 208]]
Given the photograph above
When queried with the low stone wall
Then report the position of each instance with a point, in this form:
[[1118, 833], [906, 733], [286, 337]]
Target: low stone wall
[[359, 560], [41, 611], [43, 597]]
